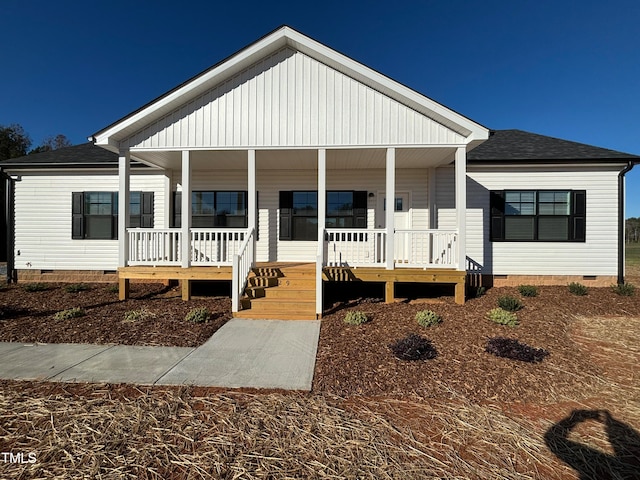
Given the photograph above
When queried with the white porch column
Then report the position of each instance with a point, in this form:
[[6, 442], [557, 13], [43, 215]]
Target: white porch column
[[390, 194], [186, 210], [461, 206], [124, 182], [431, 192], [252, 221], [322, 215]]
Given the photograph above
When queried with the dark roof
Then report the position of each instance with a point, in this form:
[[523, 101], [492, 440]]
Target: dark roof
[[83, 155], [518, 145]]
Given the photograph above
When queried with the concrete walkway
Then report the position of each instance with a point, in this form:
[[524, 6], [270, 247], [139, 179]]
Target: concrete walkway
[[243, 353]]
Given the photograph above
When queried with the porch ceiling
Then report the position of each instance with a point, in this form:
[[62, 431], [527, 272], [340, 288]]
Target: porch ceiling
[[300, 159]]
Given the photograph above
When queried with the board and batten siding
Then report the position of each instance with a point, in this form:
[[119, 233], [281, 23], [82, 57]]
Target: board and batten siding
[[43, 220], [291, 99], [596, 256], [270, 182]]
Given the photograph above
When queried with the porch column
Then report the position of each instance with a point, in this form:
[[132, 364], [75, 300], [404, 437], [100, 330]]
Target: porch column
[[390, 205], [431, 192], [124, 183], [461, 205], [186, 211], [322, 215], [252, 221]]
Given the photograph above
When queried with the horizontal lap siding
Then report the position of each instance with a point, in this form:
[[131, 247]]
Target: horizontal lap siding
[[290, 99], [43, 221], [596, 256]]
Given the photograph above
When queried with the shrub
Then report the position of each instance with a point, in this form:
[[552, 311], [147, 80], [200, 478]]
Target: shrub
[[513, 349], [137, 315], [113, 288], [509, 303], [198, 315], [624, 289], [528, 290], [76, 287], [577, 289], [356, 318], [70, 313], [36, 287], [503, 317], [478, 292], [428, 318], [413, 347]]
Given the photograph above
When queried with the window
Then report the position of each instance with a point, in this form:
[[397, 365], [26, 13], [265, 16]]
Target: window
[[538, 215], [95, 214], [299, 213], [213, 209]]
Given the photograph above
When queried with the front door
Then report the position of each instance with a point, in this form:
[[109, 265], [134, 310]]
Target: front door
[[401, 221]]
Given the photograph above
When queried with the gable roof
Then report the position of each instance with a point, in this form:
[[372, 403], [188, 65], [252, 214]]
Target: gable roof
[[518, 145], [85, 155], [284, 38]]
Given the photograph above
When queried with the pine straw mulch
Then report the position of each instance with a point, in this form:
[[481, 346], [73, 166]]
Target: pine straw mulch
[[29, 316]]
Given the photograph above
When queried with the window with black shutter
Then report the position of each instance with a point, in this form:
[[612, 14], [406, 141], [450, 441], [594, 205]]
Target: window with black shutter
[[538, 215], [94, 215], [213, 209]]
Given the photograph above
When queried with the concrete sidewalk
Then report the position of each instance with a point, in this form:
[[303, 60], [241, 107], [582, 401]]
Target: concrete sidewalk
[[242, 353]]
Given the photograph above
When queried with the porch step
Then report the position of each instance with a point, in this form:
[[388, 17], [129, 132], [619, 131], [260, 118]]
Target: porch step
[[283, 291]]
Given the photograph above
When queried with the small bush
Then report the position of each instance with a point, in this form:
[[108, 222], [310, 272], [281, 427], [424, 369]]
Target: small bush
[[113, 288], [528, 290], [36, 287], [356, 318], [137, 315], [413, 347], [503, 317], [577, 289], [513, 349], [198, 315], [76, 287], [624, 289], [428, 318], [509, 303], [70, 313], [478, 292]]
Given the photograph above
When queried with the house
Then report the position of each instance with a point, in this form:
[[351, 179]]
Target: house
[[272, 170]]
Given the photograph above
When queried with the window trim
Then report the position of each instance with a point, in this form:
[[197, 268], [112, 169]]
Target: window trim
[[576, 218]]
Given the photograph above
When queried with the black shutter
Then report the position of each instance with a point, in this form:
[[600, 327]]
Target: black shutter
[[77, 215], [360, 209], [286, 212], [578, 215], [146, 209], [497, 215], [177, 210]]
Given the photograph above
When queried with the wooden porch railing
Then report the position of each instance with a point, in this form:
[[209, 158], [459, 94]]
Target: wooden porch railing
[[355, 247], [426, 248], [243, 262]]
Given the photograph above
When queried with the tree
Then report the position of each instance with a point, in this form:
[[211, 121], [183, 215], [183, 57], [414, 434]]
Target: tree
[[52, 143], [14, 141]]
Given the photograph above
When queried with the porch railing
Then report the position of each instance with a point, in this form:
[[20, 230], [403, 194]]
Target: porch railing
[[162, 246], [412, 248], [243, 262], [355, 247], [154, 246], [426, 248]]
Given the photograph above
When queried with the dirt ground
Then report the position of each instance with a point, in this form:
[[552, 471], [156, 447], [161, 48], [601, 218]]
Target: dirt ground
[[463, 414]]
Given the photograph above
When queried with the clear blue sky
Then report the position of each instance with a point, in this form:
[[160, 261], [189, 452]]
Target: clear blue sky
[[568, 69]]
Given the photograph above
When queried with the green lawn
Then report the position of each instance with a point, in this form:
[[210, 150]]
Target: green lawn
[[633, 254]]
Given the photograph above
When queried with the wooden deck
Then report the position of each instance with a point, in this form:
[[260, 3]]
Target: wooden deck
[[403, 275]]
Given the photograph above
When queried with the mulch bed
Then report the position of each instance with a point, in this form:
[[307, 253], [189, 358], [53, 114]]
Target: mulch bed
[[356, 360], [29, 316]]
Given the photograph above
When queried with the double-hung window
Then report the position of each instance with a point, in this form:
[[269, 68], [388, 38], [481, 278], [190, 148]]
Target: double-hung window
[[538, 215], [299, 212], [95, 214], [211, 209]]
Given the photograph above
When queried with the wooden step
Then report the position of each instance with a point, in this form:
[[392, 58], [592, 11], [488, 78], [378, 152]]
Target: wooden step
[[297, 283], [291, 293], [250, 314], [255, 292], [266, 281], [282, 305]]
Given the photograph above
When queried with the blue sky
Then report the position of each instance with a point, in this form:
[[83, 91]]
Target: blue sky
[[568, 69]]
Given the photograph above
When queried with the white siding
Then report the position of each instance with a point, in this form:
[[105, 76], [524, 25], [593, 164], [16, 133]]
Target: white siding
[[596, 256], [43, 220], [290, 99]]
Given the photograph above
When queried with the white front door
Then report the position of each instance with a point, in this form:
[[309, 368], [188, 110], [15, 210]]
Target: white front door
[[401, 207]]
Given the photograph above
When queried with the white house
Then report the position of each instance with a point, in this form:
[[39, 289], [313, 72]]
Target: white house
[[272, 170]]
